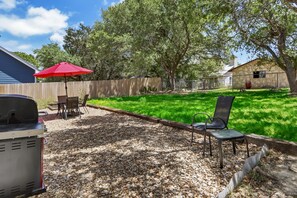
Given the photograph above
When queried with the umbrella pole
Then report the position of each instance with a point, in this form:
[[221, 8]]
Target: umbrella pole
[[66, 85]]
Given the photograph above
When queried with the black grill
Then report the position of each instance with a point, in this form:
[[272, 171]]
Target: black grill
[[17, 109], [21, 147]]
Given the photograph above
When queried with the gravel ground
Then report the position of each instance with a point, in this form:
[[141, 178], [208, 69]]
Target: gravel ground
[[105, 154]]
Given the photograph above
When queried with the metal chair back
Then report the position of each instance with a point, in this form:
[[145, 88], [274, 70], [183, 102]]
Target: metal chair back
[[72, 107], [223, 108], [72, 103], [62, 99]]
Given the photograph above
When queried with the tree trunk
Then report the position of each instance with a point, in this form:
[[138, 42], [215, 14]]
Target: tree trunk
[[172, 81], [204, 86], [291, 75]]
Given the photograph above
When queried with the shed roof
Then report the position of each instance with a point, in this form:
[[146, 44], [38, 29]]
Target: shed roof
[[18, 58], [244, 64]]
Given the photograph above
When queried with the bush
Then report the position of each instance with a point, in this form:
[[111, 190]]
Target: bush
[[148, 89]]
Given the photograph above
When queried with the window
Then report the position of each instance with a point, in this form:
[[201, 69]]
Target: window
[[259, 74]]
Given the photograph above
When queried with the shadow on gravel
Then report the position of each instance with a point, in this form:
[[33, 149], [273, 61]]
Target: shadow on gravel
[[112, 155]]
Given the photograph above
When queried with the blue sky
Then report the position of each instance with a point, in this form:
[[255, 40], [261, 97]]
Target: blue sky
[[27, 25]]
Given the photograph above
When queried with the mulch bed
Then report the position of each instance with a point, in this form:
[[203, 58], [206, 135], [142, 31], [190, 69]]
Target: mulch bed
[[105, 154]]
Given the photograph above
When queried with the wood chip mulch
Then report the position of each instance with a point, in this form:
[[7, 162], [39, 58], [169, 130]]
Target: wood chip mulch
[[105, 154]]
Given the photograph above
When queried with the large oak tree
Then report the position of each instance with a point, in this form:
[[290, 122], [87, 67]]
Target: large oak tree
[[167, 33], [269, 29]]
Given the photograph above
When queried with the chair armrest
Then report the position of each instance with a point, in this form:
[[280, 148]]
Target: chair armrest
[[217, 118], [212, 119], [203, 113]]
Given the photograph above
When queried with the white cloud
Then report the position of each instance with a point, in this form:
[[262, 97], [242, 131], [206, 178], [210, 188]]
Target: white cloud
[[105, 2], [7, 4], [14, 46], [10, 4], [76, 25], [24, 47], [58, 37], [38, 21], [116, 2]]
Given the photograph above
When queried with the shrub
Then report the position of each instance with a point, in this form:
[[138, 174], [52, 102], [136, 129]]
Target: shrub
[[148, 89]]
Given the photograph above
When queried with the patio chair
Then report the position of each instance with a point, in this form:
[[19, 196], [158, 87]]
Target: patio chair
[[219, 120], [71, 107], [84, 103], [61, 102]]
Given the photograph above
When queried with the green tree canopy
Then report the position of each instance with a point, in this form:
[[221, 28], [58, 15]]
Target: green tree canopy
[[109, 53], [162, 38], [52, 54], [28, 57], [268, 28], [75, 42], [167, 34]]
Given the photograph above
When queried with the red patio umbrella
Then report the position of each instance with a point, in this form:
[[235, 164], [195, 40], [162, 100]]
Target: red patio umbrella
[[62, 69]]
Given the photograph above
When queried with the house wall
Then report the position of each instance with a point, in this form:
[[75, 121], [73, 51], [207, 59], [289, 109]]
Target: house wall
[[226, 80], [13, 71], [275, 77]]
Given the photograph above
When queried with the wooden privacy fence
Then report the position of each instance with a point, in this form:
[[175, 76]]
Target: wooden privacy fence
[[105, 88]]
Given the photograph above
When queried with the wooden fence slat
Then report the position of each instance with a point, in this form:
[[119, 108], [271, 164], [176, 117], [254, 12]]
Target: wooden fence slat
[[105, 88]]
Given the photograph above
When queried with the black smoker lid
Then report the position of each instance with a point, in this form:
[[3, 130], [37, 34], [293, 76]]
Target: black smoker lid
[[15, 109]]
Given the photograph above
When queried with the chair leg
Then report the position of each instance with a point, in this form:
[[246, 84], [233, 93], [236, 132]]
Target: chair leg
[[204, 143], [65, 112], [58, 110], [221, 153], [192, 138], [79, 112], [86, 109], [234, 147], [210, 149], [247, 147]]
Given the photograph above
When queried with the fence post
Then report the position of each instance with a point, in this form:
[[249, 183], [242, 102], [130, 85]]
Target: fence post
[[277, 80]]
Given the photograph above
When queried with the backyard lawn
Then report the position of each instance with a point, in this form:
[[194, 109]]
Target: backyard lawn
[[261, 112]]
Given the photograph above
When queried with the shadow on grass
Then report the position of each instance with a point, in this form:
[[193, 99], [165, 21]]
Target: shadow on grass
[[255, 111]]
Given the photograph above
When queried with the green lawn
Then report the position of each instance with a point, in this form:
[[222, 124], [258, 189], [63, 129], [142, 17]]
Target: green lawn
[[262, 112]]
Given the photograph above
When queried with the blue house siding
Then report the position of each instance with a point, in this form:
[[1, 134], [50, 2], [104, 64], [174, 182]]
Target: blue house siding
[[6, 79], [14, 71]]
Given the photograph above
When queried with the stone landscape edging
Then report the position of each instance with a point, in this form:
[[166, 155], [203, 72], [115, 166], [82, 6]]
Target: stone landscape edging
[[249, 164], [279, 145]]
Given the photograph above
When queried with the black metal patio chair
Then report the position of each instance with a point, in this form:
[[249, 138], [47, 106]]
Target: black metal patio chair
[[71, 107], [83, 104], [60, 103], [219, 120]]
